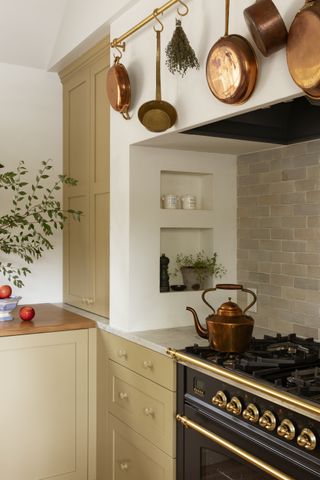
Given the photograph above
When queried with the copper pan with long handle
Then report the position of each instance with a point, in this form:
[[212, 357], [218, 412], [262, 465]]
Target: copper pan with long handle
[[303, 52], [232, 67]]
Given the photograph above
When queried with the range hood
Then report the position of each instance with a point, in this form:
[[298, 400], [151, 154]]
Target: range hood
[[282, 123]]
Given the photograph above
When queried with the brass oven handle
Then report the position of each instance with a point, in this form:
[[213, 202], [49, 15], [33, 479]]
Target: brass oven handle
[[274, 472]]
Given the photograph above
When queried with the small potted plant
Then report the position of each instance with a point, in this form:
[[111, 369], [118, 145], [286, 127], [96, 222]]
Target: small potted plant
[[198, 270]]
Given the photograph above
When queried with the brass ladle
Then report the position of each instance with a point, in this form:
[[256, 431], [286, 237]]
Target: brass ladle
[[157, 115]]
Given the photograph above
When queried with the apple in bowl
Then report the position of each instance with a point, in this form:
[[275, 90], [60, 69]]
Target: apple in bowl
[[5, 291]]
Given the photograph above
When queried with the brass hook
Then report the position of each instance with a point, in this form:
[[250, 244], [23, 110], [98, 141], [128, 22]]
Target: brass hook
[[117, 46], [183, 14], [155, 14]]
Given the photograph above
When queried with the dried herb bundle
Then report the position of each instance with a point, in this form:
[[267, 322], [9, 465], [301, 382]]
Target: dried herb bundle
[[180, 54]]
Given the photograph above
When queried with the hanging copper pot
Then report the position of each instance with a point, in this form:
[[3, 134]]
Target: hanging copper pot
[[118, 88], [232, 67], [266, 26], [303, 53]]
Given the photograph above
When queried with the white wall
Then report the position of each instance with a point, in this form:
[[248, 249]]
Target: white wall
[[84, 24], [150, 309], [31, 130], [195, 105]]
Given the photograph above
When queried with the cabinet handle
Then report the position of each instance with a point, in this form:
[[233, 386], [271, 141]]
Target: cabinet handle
[[149, 412], [124, 466], [83, 300], [123, 396], [147, 364], [122, 354], [90, 301]]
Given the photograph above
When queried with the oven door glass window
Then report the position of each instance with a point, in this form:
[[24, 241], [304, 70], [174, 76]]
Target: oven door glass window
[[216, 466]]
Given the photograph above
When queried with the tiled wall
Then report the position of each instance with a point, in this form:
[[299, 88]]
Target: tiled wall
[[279, 236]]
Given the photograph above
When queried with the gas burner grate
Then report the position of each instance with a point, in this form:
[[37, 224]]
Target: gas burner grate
[[289, 362]]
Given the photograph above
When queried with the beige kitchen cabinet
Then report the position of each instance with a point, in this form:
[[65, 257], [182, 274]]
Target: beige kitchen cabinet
[[135, 458], [136, 408], [86, 158], [47, 418]]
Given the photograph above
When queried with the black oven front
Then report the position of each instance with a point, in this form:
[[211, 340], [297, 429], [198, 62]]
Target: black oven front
[[214, 445]]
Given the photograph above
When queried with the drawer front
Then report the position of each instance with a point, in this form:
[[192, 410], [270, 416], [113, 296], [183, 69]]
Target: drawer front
[[152, 365], [132, 457], [145, 406]]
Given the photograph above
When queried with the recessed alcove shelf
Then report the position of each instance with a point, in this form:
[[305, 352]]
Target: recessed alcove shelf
[[186, 241], [194, 183]]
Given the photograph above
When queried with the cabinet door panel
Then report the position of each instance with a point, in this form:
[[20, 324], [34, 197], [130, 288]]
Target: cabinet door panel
[[43, 426], [86, 158], [101, 124], [76, 164], [100, 254], [143, 405], [131, 456]]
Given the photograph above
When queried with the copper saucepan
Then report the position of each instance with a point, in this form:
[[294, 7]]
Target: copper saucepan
[[303, 52], [266, 26], [228, 329], [118, 88], [232, 67]]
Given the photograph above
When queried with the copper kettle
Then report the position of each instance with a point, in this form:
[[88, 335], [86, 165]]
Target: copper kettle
[[228, 329]]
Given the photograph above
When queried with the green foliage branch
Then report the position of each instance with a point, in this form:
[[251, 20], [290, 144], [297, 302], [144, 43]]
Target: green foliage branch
[[34, 215]]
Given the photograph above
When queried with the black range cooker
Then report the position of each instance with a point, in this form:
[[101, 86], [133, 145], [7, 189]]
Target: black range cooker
[[250, 416]]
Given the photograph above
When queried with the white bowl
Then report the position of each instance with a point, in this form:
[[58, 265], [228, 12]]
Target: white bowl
[[6, 307]]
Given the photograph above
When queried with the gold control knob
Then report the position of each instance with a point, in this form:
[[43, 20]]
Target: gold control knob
[[268, 421], [220, 399], [286, 429], [234, 406], [307, 439], [251, 413]]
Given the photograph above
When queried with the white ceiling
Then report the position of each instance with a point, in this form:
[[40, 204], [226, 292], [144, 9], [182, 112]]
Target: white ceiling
[[28, 30]]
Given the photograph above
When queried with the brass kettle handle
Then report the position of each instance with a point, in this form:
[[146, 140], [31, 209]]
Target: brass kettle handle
[[229, 286]]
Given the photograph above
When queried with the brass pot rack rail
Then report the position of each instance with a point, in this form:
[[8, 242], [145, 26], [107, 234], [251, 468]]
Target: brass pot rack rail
[[118, 42]]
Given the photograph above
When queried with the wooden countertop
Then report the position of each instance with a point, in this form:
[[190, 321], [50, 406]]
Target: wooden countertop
[[48, 318]]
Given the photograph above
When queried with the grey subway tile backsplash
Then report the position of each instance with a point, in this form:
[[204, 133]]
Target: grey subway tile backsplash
[[279, 235]]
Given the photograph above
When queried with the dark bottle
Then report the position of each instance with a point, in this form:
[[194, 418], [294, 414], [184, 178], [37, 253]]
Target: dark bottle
[[164, 275]]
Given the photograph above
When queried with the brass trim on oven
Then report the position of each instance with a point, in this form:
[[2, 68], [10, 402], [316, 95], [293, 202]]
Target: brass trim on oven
[[246, 382], [274, 472]]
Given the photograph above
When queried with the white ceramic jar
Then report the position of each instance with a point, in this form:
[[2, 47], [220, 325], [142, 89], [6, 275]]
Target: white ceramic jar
[[189, 202], [170, 201]]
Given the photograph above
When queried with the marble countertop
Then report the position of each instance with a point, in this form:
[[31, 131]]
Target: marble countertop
[[157, 340], [177, 338]]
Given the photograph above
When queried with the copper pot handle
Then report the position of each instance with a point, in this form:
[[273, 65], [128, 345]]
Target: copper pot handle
[[229, 286], [126, 115], [226, 31]]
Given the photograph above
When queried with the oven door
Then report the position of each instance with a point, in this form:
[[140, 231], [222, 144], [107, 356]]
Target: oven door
[[214, 451]]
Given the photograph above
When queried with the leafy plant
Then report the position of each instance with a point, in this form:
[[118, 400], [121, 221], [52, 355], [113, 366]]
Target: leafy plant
[[202, 264], [34, 216]]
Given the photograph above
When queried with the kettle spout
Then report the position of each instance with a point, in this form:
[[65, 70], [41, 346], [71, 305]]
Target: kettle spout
[[202, 332]]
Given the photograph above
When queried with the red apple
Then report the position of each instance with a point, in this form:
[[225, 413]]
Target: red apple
[[5, 291], [26, 313]]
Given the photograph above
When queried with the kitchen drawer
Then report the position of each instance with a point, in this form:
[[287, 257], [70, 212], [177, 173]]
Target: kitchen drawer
[[132, 457], [145, 406], [153, 365]]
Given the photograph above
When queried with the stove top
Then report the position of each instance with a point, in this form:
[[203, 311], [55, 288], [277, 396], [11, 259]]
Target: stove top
[[290, 363]]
